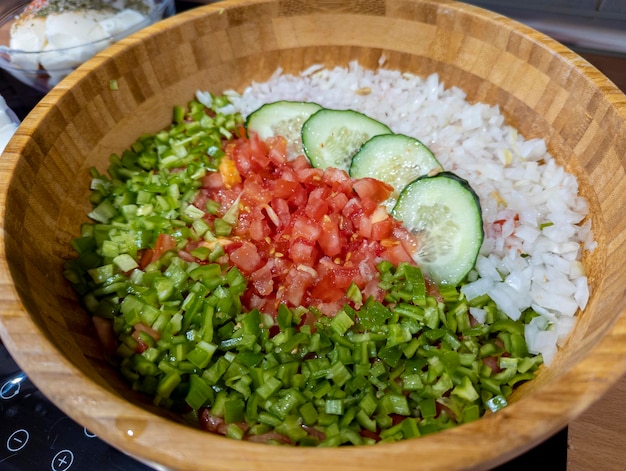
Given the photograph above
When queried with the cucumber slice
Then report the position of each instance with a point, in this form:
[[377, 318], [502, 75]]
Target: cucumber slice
[[282, 118], [445, 214], [395, 159], [331, 137]]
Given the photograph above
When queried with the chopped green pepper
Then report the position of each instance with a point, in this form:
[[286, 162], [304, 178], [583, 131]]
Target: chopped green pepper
[[185, 339]]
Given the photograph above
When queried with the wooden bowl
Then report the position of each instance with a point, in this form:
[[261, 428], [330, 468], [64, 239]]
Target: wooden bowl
[[544, 89]]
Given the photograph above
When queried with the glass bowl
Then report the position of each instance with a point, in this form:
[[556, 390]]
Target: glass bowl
[[43, 69], [8, 124]]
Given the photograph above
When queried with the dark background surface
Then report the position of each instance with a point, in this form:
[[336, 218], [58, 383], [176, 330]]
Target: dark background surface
[[54, 441]]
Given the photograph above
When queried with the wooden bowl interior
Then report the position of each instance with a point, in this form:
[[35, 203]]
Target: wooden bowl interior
[[543, 89]]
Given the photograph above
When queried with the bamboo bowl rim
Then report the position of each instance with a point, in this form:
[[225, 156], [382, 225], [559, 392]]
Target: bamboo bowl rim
[[141, 433]]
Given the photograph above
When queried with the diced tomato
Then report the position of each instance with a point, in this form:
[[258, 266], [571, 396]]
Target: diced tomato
[[382, 229], [326, 288], [282, 211], [212, 180], [365, 227], [303, 234], [373, 189], [344, 276], [186, 256], [338, 180], [105, 333], [409, 242], [251, 155], [246, 257], [329, 240], [369, 205], [303, 252], [226, 198], [337, 202], [277, 149], [317, 204], [369, 434], [148, 330], [300, 162], [210, 422], [353, 211], [433, 290], [395, 253], [164, 243], [309, 319], [254, 193], [145, 258], [282, 188], [372, 290], [142, 346], [309, 175], [493, 364], [262, 279], [257, 225], [298, 198], [443, 408], [314, 432], [296, 284], [258, 229], [306, 228], [325, 291]]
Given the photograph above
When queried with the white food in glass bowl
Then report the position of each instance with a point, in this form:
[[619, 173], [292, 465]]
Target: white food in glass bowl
[[58, 35], [8, 124]]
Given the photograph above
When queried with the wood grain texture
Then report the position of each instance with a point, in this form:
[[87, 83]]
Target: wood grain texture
[[598, 436], [544, 90]]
